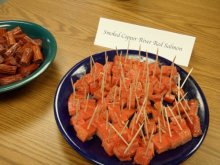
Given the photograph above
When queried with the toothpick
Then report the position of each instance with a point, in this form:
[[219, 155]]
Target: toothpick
[[139, 56], [83, 81], [130, 65], [145, 115], [114, 96], [121, 108], [168, 124], [123, 79], [74, 91], [86, 103], [186, 78], [94, 76], [116, 50], [155, 63], [102, 88], [185, 102], [132, 129], [143, 107], [171, 75], [125, 126], [103, 105], [84, 95], [120, 56], [142, 134], [147, 62], [92, 58], [92, 117], [180, 100], [139, 112], [109, 135], [116, 68], [148, 85], [138, 105], [186, 113], [119, 134], [120, 89], [77, 111], [164, 124], [106, 69], [148, 145], [98, 115], [178, 91], [126, 57], [91, 66], [133, 138], [106, 57], [178, 111], [160, 76], [159, 129], [175, 119], [106, 127], [145, 126], [131, 88], [117, 119], [137, 80]]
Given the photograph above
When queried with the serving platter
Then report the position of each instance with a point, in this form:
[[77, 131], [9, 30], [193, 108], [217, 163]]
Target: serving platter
[[92, 150]]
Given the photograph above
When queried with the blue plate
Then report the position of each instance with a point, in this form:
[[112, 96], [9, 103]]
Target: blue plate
[[92, 150]]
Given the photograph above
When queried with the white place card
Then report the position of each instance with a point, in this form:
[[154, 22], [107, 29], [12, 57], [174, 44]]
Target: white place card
[[111, 33]]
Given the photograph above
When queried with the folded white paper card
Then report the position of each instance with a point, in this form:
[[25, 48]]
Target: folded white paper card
[[113, 33]]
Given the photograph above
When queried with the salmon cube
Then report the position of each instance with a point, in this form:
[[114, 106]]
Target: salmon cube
[[76, 123], [85, 134], [142, 158], [174, 140], [109, 145], [195, 128], [120, 148], [185, 133], [160, 146]]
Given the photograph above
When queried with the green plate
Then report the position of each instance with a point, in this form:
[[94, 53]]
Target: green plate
[[49, 49]]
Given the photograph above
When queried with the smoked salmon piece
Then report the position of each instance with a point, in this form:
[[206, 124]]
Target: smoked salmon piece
[[159, 88], [77, 123], [72, 108], [194, 106], [184, 134], [180, 107], [109, 145], [97, 68], [98, 94], [120, 148], [85, 134], [81, 85], [195, 128], [141, 158], [162, 146], [174, 140], [102, 132], [94, 87], [166, 70], [129, 112], [150, 126]]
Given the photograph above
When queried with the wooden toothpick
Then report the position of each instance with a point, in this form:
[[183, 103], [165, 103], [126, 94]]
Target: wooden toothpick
[[148, 145], [133, 138], [186, 78]]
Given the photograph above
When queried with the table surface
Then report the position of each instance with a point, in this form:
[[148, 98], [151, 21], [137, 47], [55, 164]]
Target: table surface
[[28, 131]]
